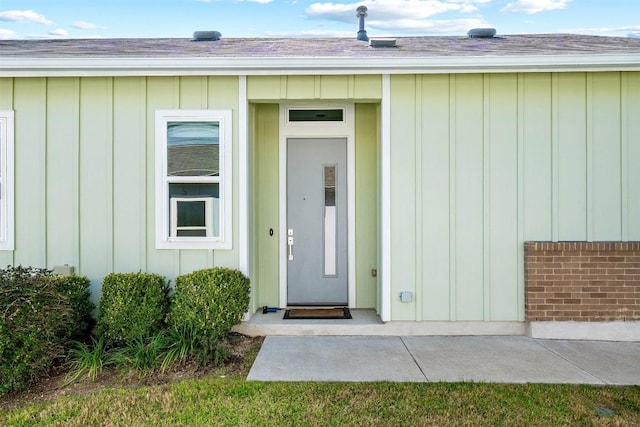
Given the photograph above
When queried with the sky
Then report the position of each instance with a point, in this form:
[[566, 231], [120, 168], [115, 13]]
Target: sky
[[50, 19]]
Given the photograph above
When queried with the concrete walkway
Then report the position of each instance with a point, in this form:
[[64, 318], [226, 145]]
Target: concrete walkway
[[500, 359]]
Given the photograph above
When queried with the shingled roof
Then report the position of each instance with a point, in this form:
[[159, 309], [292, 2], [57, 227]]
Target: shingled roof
[[534, 44], [550, 52], [193, 160]]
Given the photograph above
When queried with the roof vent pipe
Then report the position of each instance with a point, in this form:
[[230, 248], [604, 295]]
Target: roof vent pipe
[[362, 13]]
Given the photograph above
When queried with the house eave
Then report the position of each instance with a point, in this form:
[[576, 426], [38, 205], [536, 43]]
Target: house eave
[[87, 66]]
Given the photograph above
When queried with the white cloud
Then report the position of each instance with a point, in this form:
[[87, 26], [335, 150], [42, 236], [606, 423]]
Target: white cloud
[[332, 11], [391, 9], [406, 16], [24, 16], [535, 6], [82, 25], [431, 26], [8, 34], [469, 6], [59, 33]]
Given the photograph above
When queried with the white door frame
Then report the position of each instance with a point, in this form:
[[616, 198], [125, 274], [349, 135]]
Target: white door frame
[[344, 129]]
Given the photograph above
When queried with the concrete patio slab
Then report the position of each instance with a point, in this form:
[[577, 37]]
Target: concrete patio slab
[[500, 359], [367, 322], [493, 359], [615, 363], [334, 358]]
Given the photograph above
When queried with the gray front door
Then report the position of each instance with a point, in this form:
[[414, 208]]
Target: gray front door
[[317, 221]]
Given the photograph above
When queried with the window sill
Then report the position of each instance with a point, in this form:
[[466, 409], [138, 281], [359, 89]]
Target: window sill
[[194, 244]]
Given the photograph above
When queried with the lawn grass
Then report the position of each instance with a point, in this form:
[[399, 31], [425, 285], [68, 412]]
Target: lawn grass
[[224, 398], [232, 401]]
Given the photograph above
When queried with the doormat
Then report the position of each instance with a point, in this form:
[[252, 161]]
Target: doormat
[[318, 313]]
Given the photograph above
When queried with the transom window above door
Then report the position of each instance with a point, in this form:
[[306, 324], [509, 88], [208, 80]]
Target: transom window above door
[[314, 115]]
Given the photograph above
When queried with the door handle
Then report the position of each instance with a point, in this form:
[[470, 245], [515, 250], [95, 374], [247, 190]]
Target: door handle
[[290, 242]]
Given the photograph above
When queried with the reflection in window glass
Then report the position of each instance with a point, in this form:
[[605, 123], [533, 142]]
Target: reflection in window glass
[[330, 226], [191, 213], [193, 148], [330, 186], [194, 209]]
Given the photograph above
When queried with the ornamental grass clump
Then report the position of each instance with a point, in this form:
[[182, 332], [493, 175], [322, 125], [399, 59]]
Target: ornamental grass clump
[[40, 316], [206, 305], [133, 307]]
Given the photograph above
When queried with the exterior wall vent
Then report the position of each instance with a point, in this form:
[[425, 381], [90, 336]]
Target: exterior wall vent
[[200, 36], [482, 33], [382, 43]]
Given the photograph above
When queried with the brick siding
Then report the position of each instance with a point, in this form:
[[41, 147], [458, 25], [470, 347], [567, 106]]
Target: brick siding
[[579, 281]]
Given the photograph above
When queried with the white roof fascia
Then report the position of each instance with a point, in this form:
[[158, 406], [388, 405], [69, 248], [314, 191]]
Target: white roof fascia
[[86, 66]]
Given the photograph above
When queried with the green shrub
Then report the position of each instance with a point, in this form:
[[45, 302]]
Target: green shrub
[[207, 304], [133, 306], [39, 315], [76, 288]]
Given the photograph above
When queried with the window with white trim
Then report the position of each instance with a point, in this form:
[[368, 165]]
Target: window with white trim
[[6, 181], [193, 179]]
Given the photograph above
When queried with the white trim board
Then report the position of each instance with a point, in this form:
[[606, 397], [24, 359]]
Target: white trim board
[[589, 331], [243, 177], [385, 200], [7, 159], [39, 67], [243, 185], [344, 129]]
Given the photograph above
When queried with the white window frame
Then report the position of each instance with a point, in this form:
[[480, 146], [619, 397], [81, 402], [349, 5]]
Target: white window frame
[[163, 204], [6, 180]]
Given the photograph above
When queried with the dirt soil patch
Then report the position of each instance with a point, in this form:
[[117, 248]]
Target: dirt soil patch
[[242, 352]]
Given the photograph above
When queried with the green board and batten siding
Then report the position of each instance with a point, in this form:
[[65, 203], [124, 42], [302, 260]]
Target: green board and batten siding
[[314, 88], [85, 171], [265, 92], [482, 163], [85, 175], [367, 135], [265, 203], [630, 155]]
